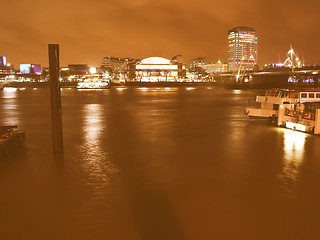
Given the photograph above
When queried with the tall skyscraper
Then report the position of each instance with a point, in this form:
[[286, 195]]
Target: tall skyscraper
[[242, 48]]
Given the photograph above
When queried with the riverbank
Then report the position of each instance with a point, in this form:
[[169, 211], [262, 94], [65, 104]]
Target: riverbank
[[138, 84]]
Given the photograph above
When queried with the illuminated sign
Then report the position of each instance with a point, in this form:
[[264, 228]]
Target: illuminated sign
[[25, 68], [30, 68]]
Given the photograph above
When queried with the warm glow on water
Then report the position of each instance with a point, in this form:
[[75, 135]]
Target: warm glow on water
[[9, 92], [294, 144], [95, 165], [9, 107], [156, 163], [293, 157]]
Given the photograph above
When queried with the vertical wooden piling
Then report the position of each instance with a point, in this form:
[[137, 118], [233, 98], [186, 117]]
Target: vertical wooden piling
[[55, 94]]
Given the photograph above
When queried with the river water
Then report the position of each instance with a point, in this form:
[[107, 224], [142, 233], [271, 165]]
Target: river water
[[156, 163]]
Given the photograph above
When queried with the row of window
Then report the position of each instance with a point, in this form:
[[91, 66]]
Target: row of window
[[310, 95]]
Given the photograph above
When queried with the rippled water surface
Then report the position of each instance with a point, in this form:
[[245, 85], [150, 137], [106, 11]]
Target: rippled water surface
[[156, 163]]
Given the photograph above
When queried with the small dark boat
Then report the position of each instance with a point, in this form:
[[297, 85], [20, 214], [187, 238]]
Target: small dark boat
[[11, 140]]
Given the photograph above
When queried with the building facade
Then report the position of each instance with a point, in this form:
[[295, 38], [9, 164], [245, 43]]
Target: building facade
[[156, 69], [218, 67], [242, 49], [113, 65]]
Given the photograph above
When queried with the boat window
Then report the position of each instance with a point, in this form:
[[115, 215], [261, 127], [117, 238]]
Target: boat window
[[275, 106], [317, 95], [304, 95], [311, 95], [312, 106], [293, 95]]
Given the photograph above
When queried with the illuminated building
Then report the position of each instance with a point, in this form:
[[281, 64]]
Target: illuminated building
[[156, 69], [197, 69], [113, 65], [292, 60], [30, 68], [5, 68], [3, 61], [199, 62], [218, 67], [119, 69], [242, 49]]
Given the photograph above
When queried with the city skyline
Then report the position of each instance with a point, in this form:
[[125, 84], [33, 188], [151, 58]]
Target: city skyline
[[87, 32]]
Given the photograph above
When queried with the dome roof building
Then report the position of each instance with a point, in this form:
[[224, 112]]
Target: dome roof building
[[156, 69]]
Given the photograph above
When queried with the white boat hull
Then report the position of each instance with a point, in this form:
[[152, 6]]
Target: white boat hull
[[260, 112]]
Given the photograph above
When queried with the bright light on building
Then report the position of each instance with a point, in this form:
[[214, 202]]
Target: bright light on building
[[93, 70], [156, 69]]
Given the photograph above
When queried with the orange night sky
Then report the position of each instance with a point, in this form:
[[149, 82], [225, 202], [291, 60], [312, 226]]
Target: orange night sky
[[90, 30]]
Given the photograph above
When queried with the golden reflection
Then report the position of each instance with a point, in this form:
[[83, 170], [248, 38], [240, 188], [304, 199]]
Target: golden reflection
[[94, 154], [294, 143], [10, 108], [170, 89], [120, 89], [190, 88], [92, 124], [144, 89], [8, 90]]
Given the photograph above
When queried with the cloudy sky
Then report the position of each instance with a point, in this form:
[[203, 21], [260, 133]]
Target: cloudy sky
[[90, 30]]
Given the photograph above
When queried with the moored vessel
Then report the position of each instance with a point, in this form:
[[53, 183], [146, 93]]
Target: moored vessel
[[270, 101], [11, 140], [304, 117], [94, 85]]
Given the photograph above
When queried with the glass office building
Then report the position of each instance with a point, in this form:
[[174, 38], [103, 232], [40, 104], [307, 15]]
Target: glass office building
[[242, 49]]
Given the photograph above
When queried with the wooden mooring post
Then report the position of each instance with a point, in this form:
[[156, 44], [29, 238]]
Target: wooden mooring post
[[55, 94]]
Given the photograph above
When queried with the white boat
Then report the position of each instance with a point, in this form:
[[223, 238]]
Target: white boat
[[270, 101], [93, 85], [304, 117]]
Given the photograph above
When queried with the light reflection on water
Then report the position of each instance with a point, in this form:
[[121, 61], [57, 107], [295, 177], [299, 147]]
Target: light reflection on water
[[120, 89], [9, 90], [293, 155], [10, 107], [94, 156], [190, 88]]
